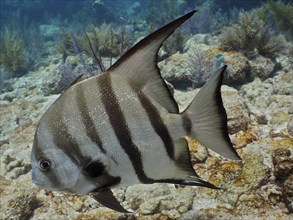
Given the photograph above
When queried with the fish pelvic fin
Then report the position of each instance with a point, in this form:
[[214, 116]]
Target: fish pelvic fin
[[107, 198], [205, 119]]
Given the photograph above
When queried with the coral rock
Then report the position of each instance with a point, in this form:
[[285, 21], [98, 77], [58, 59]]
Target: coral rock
[[238, 119], [290, 126], [238, 71], [262, 67]]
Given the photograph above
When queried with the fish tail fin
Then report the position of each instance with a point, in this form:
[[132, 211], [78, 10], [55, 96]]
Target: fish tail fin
[[205, 119]]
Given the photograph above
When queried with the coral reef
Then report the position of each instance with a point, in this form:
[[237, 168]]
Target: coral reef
[[268, 44], [200, 60], [104, 40], [22, 205], [241, 36], [262, 67], [251, 34], [65, 47], [257, 95], [200, 67], [68, 75], [260, 187], [282, 14], [206, 20], [175, 43], [77, 49], [18, 52], [49, 31], [11, 51], [238, 70]]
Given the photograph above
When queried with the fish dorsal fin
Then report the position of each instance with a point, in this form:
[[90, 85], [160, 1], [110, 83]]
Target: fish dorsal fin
[[106, 198], [139, 65]]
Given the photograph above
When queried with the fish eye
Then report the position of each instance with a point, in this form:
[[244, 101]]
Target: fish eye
[[44, 164]]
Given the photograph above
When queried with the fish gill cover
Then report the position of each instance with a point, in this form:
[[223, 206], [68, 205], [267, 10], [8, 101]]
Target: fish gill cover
[[44, 48]]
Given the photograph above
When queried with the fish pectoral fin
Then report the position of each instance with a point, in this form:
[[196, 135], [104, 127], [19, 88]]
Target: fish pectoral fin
[[107, 199], [139, 65], [182, 156]]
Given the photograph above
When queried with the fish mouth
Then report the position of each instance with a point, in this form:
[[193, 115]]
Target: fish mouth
[[36, 181], [38, 184]]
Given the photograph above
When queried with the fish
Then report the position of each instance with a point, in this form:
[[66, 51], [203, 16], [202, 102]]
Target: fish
[[123, 127]]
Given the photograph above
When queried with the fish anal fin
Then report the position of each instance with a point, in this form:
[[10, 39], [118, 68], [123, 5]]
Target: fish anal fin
[[139, 65], [192, 181], [183, 160], [107, 199], [182, 156]]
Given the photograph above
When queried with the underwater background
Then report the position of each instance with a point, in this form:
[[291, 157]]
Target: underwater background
[[45, 46]]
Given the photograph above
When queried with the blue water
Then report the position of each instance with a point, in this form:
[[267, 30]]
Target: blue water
[[99, 11], [46, 27]]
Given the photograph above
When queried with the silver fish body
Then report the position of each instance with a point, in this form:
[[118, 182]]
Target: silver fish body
[[123, 127]]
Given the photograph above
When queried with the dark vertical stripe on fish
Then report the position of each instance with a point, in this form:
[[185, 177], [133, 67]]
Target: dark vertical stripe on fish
[[54, 180], [156, 122], [187, 124], [62, 138], [120, 126], [87, 120], [38, 154]]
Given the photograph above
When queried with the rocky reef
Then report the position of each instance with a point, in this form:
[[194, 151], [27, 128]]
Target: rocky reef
[[258, 99]]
